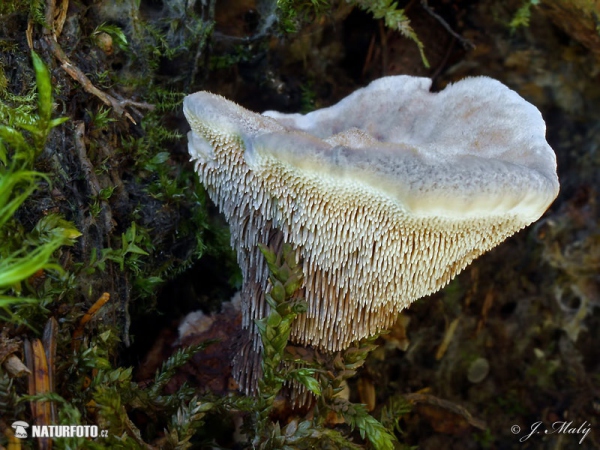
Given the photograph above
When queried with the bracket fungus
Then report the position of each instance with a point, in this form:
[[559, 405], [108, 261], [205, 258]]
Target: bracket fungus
[[385, 196]]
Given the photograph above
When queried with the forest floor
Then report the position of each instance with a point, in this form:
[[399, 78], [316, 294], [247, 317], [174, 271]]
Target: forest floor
[[511, 342]]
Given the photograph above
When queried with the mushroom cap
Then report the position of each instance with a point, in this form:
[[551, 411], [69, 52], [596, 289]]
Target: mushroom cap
[[481, 142], [386, 195]]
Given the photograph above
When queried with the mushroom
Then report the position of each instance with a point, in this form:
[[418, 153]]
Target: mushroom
[[385, 196]]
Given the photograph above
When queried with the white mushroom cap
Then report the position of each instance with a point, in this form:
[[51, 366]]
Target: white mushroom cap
[[483, 145], [386, 195]]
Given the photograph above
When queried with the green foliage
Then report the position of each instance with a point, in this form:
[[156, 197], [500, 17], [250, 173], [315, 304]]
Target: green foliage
[[102, 118], [344, 365], [106, 193], [15, 186], [166, 187], [36, 12], [175, 361], [9, 7], [188, 420], [286, 277], [523, 14], [16, 120], [324, 378], [98, 393], [112, 395], [163, 190], [357, 416], [167, 100], [391, 413], [23, 134], [17, 108], [169, 188], [23, 263], [127, 255], [40, 128]]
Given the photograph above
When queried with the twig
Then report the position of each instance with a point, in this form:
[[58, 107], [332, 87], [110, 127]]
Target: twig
[[61, 17], [465, 42], [86, 165], [143, 105], [78, 333], [90, 175], [384, 48], [445, 60], [447, 405], [55, 19], [50, 343], [133, 105], [76, 73], [50, 37], [369, 56], [49, 19]]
